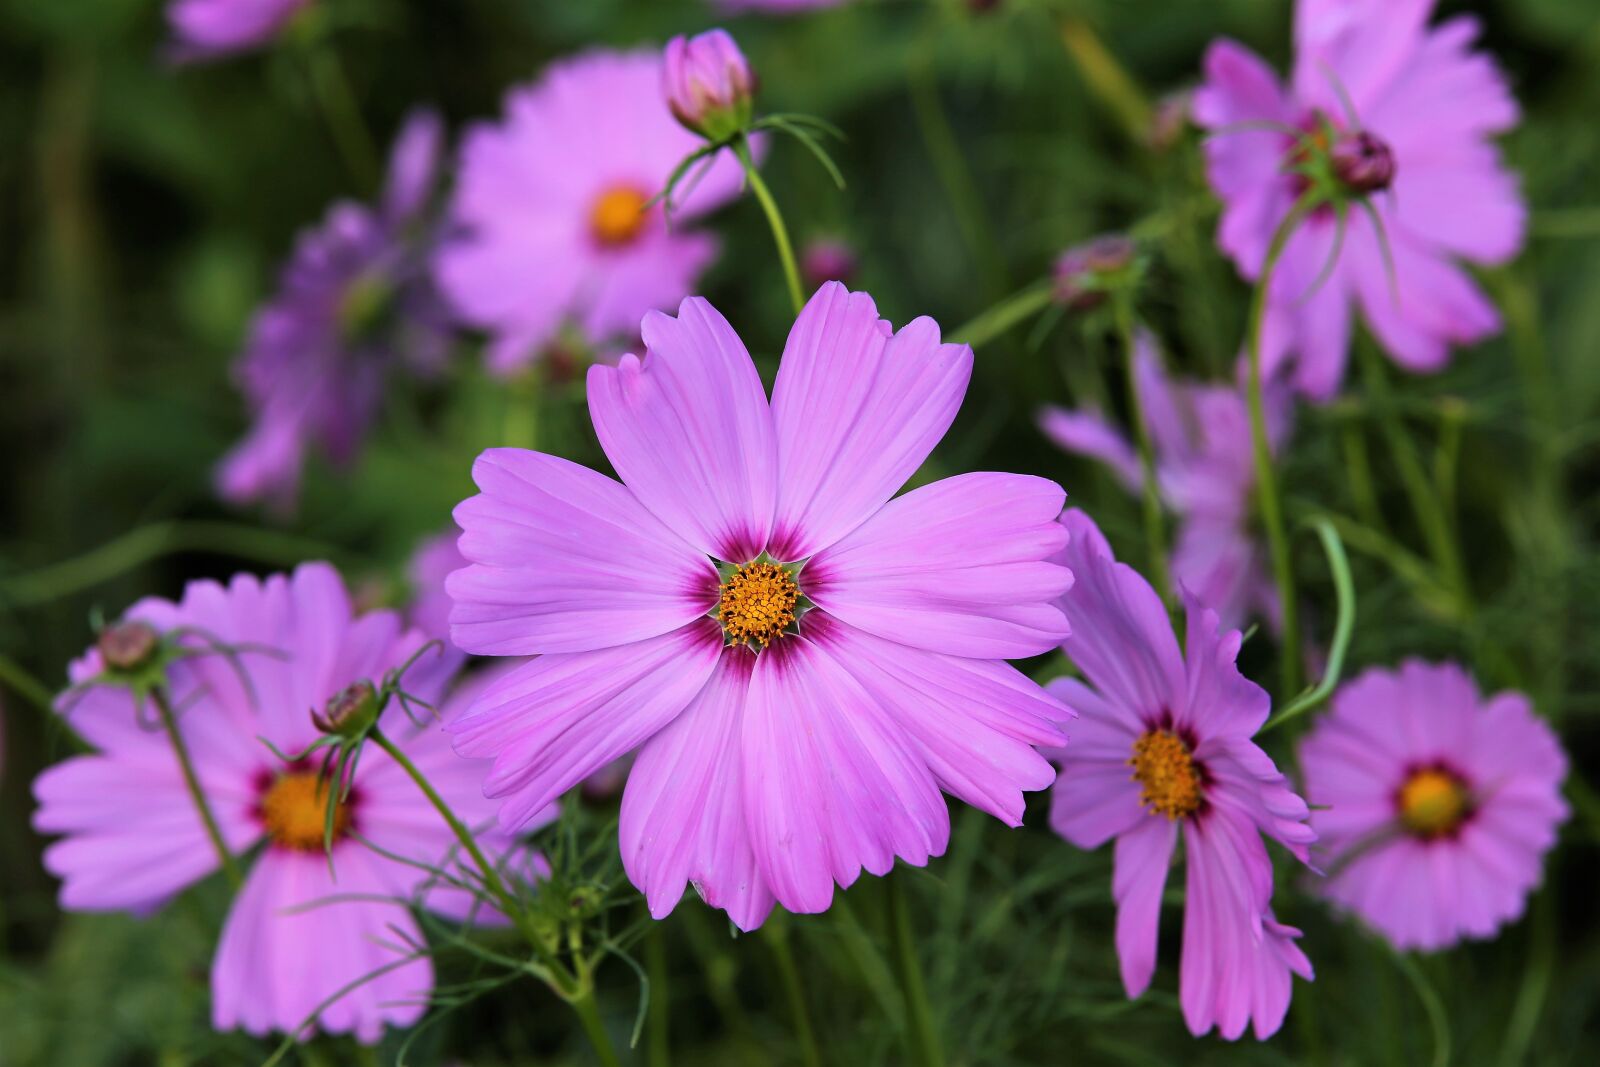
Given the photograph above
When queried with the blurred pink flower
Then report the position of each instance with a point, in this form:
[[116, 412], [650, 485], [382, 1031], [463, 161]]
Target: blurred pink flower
[[1162, 742], [354, 301], [827, 259], [433, 562], [1200, 434], [133, 838], [550, 216], [211, 29], [1440, 805], [1429, 102], [798, 721]]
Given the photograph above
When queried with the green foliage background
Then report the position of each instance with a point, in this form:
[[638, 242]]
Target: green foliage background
[[143, 211]]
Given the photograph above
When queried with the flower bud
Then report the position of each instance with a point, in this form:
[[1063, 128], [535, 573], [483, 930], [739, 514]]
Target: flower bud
[[1168, 120], [1363, 163], [709, 85], [1083, 272], [127, 645], [350, 711], [827, 259]]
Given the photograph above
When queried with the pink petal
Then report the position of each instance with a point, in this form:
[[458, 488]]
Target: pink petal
[[1221, 702], [1354, 49], [831, 783], [1087, 433], [556, 720], [856, 412], [1143, 855], [974, 722], [958, 566], [689, 432], [566, 560], [683, 818]]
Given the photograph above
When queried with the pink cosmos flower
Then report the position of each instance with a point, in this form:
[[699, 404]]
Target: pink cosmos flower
[[1206, 472], [133, 839], [796, 715], [1440, 805], [1432, 103], [433, 562], [1163, 743], [550, 209], [354, 303], [211, 29]]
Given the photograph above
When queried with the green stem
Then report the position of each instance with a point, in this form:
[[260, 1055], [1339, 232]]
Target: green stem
[[343, 115], [659, 1037], [1344, 627], [150, 542], [922, 1034], [1154, 530], [1106, 78], [780, 232], [1266, 477], [191, 780], [1016, 308], [22, 681], [594, 1026], [777, 937]]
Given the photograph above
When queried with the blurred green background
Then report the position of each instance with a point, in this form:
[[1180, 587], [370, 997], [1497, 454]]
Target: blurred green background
[[144, 211]]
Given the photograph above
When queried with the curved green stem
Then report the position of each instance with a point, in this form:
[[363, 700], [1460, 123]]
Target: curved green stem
[[24, 684], [1261, 446], [921, 1033], [1154, 530], [343, 115], [150, 542], [780, 232], [1344, 626], [191, 780], [1014, 309], [778, 937], [589, 1015]]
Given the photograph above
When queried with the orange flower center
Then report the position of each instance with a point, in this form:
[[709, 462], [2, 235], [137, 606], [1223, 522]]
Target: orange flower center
[[295, 809], [757, 603], [1433, 802], [618, 215], [1164, 768]]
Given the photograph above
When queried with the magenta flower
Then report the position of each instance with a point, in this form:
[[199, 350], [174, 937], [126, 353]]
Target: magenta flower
[[708, 84], [1440, 805], [1425, 106], [211, 29], [133, 839], [552, 209], [1200, 434], [1162, 742], [797, 714], [354, 301]]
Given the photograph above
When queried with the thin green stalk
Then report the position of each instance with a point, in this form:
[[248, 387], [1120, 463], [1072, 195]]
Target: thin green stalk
[[191, 780], [25, 685], [1107, 79], [780, 232], [921, 1032], [343, 115], [777, 937], [1344, 627], [1154, 528], [1016, 308], [594, 1026], [1266, 477], [150, 542], [1432, 1006], [659, 1036]]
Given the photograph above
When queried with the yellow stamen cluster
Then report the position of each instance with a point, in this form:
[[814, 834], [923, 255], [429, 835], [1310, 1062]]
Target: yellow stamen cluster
[[1433, 802], [757, 603], [295, 810], [618, 215], [1164, 768]]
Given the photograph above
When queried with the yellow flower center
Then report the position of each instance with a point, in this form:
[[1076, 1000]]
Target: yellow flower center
[[757, 603], [1164, 768], [618, 215], [1433, 802], [295, 809]]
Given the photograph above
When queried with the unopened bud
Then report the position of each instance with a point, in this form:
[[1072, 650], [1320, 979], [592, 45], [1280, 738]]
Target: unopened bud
[[709, 85], [1082, 272], [127, 645], [1363, 163], [349, 711], [827, 259]]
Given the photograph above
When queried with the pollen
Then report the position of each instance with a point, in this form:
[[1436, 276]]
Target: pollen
[[1433, 802], [757, 603], [1166, 770], [618, 215], [295, 809]]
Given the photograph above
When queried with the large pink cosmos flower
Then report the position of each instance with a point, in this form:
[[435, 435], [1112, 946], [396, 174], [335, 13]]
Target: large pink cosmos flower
[[1440, 805], [133, 838], [1162, 742], [798, 723], [1206, 473], [550, 209], [211, 29], [1434, 103]]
